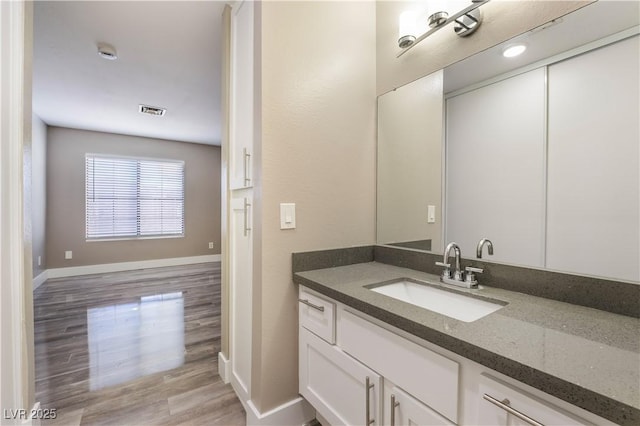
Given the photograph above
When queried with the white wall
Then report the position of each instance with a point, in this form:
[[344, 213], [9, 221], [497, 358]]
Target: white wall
[[17, 376], [409, 162], [318, 151], [38, 193]]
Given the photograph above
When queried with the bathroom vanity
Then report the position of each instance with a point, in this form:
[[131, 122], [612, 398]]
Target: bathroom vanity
[[368, 358], [539, 154]]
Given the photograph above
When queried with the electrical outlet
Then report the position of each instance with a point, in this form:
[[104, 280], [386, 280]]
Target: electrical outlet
[[68, 254], [211, 245], [39, 260]]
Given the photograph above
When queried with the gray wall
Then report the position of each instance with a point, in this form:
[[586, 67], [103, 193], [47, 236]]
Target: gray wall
[[38, 193], [65, 226]]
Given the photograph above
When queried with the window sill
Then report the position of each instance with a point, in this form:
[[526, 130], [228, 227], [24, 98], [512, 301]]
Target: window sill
[[150, 237]]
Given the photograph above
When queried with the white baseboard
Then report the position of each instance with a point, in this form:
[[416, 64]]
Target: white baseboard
[[223, 367], [73, 271], [295, 412], [41, 278], [33, 419]]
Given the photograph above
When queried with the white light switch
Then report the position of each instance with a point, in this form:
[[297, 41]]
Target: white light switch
[[68, 254], [431, 214], [287, 215]]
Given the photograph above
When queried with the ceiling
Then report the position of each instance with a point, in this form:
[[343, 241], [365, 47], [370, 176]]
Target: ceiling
[[169, 56]]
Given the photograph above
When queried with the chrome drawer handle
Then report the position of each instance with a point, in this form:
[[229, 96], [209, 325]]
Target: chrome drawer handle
[[246, 216], [247, 159], [311, 305], [368, 387], [394, 404], [504, 404]]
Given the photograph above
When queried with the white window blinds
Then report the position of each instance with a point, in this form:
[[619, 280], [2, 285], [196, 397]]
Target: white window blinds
[[133, 197]]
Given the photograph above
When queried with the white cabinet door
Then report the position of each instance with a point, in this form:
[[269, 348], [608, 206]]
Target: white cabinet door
[[336, 384], [496, 395], [240, 277], [400, 408], [242, 101], [428, 376]]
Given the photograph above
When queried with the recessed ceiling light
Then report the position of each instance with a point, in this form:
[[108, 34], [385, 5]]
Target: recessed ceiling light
[[514, 50], [107, 51], [146, 109]]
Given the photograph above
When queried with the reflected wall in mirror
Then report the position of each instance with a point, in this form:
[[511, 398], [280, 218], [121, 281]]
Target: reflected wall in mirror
[[409, 164], [541, 151]]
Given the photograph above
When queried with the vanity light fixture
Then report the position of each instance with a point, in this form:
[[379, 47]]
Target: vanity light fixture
[[513, 50], [467, 20]]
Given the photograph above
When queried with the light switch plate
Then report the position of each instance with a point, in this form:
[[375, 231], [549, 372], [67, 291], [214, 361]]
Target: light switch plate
[[68, 254], [287, 215], [431, 214]]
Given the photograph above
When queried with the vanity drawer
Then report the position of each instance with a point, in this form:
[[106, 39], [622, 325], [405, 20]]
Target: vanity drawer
[[426, 375], [503, 404], [317, 315]]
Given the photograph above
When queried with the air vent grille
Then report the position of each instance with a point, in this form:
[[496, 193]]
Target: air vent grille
[[151, 110]]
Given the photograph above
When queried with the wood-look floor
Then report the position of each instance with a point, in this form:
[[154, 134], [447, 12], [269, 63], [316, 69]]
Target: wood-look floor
[[133, 348]]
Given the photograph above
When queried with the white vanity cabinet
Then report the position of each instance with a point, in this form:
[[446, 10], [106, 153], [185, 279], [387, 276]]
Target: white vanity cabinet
[[345, 382], [355, 369], [342, 389]]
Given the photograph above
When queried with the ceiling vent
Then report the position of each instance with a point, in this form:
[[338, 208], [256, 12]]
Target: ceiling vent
[[106, 51], [146, 109]]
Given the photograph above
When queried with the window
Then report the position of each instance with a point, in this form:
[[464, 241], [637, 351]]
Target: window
[[133, 197]]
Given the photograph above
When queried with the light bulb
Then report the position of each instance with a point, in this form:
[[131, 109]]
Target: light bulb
[[407, 29], [514, 50]]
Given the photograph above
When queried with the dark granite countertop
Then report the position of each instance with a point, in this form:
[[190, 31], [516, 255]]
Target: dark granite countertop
[[587, 357]]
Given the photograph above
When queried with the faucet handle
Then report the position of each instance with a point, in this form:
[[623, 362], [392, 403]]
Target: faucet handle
[[447, 272], [470, 278], [471, 269]]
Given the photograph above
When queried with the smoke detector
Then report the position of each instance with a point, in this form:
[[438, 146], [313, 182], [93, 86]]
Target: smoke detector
[[151, 110], [106, 51]]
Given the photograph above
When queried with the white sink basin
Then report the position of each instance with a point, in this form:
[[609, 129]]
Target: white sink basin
[[450, 303]]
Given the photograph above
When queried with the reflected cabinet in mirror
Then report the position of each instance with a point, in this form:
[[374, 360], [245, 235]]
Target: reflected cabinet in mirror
[[539, 153]]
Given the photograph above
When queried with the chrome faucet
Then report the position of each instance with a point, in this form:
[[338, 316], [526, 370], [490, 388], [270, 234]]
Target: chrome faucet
[[459, 278], [447, 254], [481, 244]]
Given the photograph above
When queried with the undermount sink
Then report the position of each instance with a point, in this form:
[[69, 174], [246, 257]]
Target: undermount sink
[[437, 299]]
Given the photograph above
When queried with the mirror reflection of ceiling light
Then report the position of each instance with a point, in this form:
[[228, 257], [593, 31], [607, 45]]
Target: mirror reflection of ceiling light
[[513, 50]]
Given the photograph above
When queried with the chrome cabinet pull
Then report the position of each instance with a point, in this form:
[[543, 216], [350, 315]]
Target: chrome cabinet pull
[[306, 302], [504, 404], [394, 404], [246, 216], [368, 387], [247, 163]]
